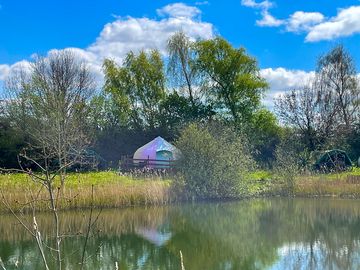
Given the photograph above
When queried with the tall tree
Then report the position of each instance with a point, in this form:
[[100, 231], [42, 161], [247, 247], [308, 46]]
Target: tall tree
[[311, 112], [181, 64], [233, 81], [138, 86], [50, 106], [325, 112], [51, 98], [336, 75]]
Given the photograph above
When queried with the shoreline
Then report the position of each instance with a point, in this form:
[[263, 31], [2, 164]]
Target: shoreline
[[116, 191]]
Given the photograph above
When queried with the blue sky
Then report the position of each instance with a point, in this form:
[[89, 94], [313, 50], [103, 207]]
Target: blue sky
[[286, 36]]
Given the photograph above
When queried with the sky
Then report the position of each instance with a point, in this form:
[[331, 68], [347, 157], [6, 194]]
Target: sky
[[285, 36]]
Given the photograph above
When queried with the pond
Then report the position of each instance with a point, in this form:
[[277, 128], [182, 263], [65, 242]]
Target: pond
[[252, 234]]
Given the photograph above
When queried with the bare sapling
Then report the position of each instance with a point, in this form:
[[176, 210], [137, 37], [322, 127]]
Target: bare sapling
[[49, 106]]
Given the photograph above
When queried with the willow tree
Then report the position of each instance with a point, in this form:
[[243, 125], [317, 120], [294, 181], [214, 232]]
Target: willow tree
[[181, 64], [233, 82]]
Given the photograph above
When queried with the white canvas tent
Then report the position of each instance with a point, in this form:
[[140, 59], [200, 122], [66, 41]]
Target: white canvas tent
[[156, 151]]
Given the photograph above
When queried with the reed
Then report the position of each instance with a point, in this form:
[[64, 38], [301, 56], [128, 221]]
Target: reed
[[110, 189], [334, 185], [114, 190], [342, 184]]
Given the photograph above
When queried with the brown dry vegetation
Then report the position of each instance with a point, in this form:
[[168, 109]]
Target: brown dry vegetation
[[114, 190], [110, 190], [344, 184], [334, 185]]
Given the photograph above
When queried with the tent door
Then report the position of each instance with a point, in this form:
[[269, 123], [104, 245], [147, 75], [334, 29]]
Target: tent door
[[163, 155]]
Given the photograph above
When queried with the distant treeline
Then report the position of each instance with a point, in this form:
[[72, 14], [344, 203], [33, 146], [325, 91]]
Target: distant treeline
[[207, 82]]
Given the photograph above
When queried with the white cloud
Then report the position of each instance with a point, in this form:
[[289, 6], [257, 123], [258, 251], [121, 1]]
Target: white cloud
[[268, 20], [124, 34], [303, 21], [179, 10], [253, 4], [4, 71], [202, 3], [119, 37], [345, 23], [315, 24], [282, 80]]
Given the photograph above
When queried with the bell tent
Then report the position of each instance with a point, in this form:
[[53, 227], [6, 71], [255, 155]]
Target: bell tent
[[156, 151], [333, 160]]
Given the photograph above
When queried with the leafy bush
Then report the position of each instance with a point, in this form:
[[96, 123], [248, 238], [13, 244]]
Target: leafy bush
[[215, 162], [288, 163]]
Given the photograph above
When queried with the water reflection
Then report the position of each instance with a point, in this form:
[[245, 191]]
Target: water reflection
[[255, 234]]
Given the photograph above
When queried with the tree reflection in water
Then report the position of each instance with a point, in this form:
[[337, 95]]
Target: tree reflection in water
[[254, 234]]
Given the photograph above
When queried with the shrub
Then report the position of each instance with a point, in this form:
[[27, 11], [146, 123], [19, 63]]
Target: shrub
[[287, 164], [215, 162]]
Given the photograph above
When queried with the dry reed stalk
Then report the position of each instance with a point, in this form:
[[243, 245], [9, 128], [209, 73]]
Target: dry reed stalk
[[182, 261], [2, 264]]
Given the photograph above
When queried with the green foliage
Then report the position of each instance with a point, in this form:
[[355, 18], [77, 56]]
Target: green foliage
[[177, 111], [233, 82], [215, 162], [265, 134], [11, 142], [353, 142], [287, 164], [137, 87]]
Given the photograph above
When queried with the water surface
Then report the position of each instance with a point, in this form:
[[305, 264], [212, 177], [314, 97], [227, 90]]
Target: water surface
[[255, 234]]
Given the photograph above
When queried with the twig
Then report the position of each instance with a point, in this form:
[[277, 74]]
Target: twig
[[88, 228], [2, 264], [39, 242], [182, 261]]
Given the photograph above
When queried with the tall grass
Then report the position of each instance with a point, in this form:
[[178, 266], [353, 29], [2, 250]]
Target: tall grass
[[110, 189], [114, 190], [345, 184]]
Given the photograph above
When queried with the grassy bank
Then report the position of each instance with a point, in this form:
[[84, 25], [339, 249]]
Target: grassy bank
[[110, 190], [113, 190], [344, 184]]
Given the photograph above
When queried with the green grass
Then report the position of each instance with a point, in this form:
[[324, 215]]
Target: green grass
[[261, 175], [342, 176], [110, 190], [74, 180]]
